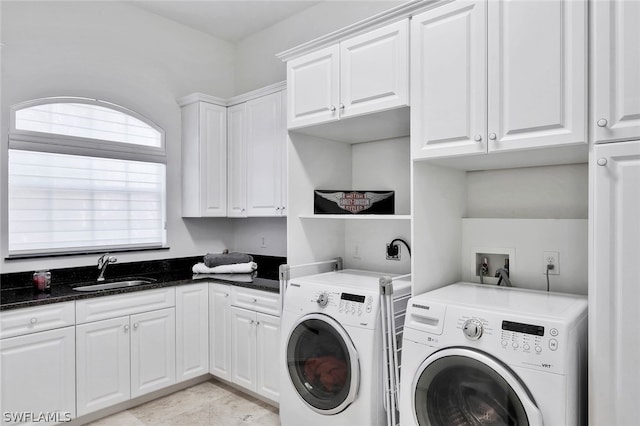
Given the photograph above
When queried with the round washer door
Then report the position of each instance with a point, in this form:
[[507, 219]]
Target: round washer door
[[459, 386], [323, 364]]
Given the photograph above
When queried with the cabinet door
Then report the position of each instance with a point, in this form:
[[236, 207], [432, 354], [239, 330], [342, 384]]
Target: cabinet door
[[243, 347], [220, 331], [374, 70], [616, 70], [192, 331], [38, 374], [613, 287], [449, 86], [237, 161], [153, 351], [268, 348], [213, 159], [537, 73], [102, 364], [265, 143], [313, 87]]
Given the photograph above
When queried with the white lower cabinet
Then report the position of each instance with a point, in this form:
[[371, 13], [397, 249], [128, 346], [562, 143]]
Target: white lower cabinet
[[38, 377], [192, 331], [123, 357], [255, 339], [220, 331]]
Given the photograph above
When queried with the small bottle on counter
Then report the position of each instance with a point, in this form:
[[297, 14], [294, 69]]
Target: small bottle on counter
[[42, 281]]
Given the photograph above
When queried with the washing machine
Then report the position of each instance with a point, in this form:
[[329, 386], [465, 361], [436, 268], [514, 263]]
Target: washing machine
[[486, 355], [331, 341]]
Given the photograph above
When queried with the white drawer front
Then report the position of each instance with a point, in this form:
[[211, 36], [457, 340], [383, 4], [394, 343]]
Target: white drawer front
[[256, 300], [100, 308], [38, 318]]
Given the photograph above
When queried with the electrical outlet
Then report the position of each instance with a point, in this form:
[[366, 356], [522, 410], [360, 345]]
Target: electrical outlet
[[356, 252], [551, 258], [393, 252], [263, 243]]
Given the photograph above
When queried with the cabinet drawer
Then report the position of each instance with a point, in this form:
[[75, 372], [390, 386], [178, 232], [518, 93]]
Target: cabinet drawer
[[124, 304], [37, 318], [256, 300]]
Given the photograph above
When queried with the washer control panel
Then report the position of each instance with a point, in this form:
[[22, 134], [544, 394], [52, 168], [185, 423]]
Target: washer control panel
[[528, 338], [355, 304]]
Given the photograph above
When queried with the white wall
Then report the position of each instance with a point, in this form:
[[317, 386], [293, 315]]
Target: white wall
[[559, 192], [119, 53], [257, 65]]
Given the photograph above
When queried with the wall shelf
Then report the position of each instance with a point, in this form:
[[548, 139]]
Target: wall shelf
[[357, 217]]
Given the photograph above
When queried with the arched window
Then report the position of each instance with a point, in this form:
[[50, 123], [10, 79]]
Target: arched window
[[84, 175]]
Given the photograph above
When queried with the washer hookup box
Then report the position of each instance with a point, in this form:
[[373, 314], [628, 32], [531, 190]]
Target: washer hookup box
[[353, 202]]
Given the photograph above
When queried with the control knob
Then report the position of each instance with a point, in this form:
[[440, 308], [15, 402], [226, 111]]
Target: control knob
[[323, 299], [472, 329]]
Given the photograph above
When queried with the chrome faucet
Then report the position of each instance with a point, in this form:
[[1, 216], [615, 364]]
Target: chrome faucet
[[103, 262]]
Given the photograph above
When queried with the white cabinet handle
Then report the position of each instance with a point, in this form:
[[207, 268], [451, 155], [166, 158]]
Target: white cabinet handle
[[135, 325], [251, 322], [34, 320], [241, 210], [277, 208], [226, 295], [478, 138], [602, 161], [602, 123], [342, 107], [126, 328], [255, 300], [492, 136], [332, 108], [257, 322]]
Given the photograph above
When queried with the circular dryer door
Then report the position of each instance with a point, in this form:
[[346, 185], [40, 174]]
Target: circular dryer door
[[323, 364], [459, 386]]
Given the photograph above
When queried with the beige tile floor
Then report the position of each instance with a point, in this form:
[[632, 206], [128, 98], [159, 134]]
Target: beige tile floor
[[210, 403]]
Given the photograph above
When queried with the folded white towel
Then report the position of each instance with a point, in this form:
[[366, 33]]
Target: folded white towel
[[239, 278], [236, 268]]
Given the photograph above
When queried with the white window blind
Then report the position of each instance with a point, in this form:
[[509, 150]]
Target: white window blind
[[64, 198]]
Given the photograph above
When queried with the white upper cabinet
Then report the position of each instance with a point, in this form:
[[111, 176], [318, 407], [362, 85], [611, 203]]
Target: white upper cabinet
[[237, 161], [257, 157], [533, 92], [266, 137], [616, 70], [314, 88], [449, 80], [204, 160], [361, 75]]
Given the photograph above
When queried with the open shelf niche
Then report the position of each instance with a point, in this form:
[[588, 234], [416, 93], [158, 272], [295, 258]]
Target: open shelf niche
[[316, 163], [523, 211]]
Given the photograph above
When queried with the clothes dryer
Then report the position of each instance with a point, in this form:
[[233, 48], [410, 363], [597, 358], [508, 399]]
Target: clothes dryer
[[486, 355], [332, 371]]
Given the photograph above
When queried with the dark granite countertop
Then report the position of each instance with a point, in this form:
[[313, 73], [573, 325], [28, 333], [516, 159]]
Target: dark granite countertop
[[16, 294]]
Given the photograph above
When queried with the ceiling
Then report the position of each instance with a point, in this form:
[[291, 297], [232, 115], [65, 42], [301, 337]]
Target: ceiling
[[227, 20]]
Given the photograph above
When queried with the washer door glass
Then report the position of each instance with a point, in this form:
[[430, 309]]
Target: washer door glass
[[323, 364], [464, 387]]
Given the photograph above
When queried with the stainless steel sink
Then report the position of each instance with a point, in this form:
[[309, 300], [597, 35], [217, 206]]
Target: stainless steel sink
[[115, 284]]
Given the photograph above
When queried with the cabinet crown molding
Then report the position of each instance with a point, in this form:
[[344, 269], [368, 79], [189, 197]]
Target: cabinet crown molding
[[238, 99], [405, 10]]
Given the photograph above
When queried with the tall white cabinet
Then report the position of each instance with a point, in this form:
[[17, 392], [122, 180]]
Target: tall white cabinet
[[487, 78], [614, 273], [613, 288]]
